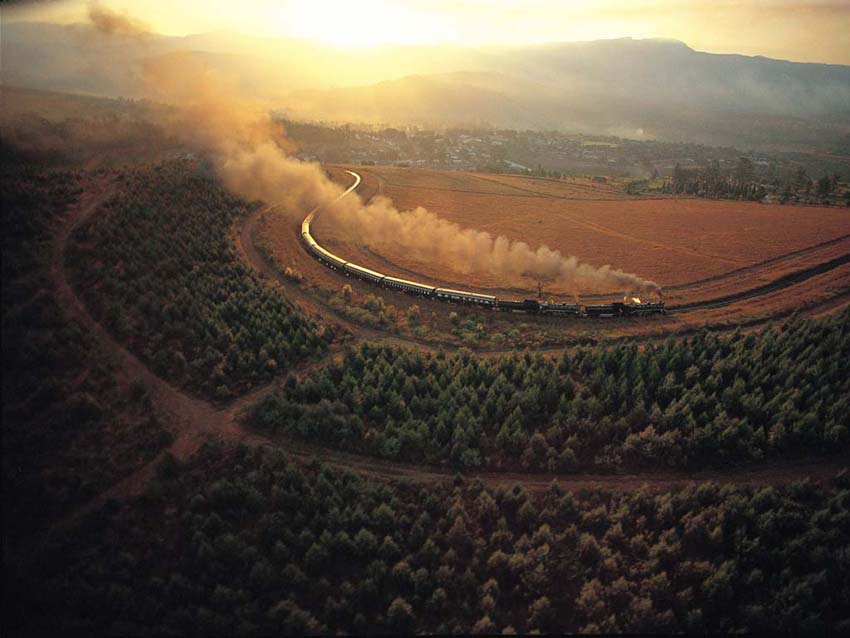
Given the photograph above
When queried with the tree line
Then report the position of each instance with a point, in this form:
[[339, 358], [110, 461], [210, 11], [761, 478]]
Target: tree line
[[704, 401], [160, 270], [743, 182], [713, 181]]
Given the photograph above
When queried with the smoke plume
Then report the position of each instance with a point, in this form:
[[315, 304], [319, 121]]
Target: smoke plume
[[253, 157], [428, 238], [113, 23]]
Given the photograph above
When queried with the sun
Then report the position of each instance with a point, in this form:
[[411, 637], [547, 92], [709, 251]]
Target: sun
[[365, 23]]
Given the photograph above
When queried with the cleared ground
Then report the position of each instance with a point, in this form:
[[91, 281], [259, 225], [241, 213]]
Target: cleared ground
[[672, 241], [830, 289]]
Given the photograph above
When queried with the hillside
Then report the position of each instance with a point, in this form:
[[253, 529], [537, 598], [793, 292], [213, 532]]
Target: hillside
[[667, 94], [636, 88]]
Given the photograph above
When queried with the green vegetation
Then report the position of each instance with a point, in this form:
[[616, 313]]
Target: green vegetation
[[742, 182], [703, 401], [371, 311], [713, 181], [160, 270], [69, 431], [242, 542]]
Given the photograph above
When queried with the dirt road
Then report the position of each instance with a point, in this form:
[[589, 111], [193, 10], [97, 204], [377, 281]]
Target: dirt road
[[194, 421]]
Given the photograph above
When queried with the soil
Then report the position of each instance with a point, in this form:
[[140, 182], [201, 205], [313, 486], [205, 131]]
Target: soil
[[673, 241]]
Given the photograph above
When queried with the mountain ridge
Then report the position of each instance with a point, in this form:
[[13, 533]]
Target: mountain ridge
[[654, 88]]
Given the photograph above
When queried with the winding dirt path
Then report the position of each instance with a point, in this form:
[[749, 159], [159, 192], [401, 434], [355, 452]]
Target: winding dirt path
[[194, 421]]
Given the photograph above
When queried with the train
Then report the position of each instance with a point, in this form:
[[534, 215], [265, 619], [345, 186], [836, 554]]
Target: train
[[630, 306]]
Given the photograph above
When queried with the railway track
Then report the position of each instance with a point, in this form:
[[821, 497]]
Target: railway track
[[758, 265], [780, 283]]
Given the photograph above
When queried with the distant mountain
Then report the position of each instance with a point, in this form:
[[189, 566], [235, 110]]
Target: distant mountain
[[463, 99], [78, 57], [634, 88], [671, 73]]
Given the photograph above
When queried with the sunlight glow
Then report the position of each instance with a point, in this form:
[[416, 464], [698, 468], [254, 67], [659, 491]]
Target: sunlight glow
[[803, 30], [365, 23]]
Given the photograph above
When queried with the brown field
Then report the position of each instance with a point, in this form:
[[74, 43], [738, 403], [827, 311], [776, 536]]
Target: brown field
[[819, 237], [513, 185], [437, 180], [569, 188], [671, 241]]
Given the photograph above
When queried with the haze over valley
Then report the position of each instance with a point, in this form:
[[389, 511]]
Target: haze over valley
[[641, 89]]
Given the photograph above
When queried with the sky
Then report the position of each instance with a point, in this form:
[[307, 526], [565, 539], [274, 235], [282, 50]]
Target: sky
[[800, 30]]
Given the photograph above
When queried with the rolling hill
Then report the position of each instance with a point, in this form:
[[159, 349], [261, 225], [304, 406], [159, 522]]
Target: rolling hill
[[634, 88]]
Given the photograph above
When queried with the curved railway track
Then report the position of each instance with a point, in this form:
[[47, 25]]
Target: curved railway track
[[780, 283], [777, 284]]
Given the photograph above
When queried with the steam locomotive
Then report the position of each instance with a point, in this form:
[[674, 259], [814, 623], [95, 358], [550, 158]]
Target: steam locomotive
[[626, 308]]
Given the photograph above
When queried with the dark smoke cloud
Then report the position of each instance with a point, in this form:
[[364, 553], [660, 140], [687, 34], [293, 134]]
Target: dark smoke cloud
[[111, 22], [431, 239]]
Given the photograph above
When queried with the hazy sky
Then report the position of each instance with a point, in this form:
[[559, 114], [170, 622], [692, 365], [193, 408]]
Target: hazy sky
[[803, 30]]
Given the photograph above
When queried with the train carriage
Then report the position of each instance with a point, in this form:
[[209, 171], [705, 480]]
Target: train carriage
[[327, 257], [528, 306], [364, 273], [308, 239], [408, 286], [448, 294], [603, 310], [509, 305]]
